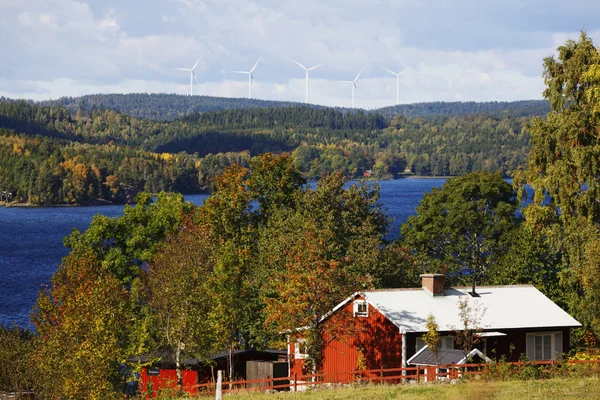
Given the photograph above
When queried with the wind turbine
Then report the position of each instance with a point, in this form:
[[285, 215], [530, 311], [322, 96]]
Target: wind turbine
[[353, 83], [250, 77], [397, 83], [306, 69], [192, 75]]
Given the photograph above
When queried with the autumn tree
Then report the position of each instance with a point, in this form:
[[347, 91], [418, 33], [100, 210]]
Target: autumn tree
[[81, 327], [432, 337], [563, 172], [94, 313], [16, 369], [318, 254], [460, 229], [228, 213], [243, 201]]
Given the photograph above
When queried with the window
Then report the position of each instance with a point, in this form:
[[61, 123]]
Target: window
[[544, 346], [361, 308], [446, 342], [300, 350]]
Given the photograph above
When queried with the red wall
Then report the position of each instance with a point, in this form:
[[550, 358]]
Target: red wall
[[379, 341], [167, 379]]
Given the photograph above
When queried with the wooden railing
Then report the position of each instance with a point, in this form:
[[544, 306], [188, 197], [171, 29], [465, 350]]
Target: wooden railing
[[388, 375]]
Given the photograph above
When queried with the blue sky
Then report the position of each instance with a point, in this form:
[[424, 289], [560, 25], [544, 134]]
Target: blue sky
[[463, 50]]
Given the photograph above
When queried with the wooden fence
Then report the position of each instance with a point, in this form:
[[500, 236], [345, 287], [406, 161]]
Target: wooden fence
[[389, 375]]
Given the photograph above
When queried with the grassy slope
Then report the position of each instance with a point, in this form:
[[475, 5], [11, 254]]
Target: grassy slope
[[559, 388]]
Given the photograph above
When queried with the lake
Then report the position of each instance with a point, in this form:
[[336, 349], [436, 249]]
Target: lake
[[31, 240]]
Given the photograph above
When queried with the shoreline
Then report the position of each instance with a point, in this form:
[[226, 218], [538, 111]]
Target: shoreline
[[426, 177], [109, 203], [95, 204]]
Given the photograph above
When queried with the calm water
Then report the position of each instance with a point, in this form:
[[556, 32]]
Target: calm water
[[31, 240]]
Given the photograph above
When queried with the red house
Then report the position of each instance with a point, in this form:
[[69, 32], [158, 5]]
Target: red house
[[384, 328]]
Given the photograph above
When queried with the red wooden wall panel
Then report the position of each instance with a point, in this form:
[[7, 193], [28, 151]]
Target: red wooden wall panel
[[373, 339]]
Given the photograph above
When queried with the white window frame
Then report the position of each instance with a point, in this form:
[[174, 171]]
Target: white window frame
[[356, 308], [445, 343], [556, 345], [300, 343]]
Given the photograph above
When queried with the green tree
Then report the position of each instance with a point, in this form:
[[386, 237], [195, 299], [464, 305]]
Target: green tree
[[530, 259], [563, 171], [273, 182], [179, 297], [123, 244], [461, 228]]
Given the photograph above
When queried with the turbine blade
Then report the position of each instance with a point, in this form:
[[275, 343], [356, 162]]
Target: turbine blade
[[355, 79], [390, 71], [183, 69], [252, 70], [346, 81], [240, 72], [315, 67], [403, 71], [196, 78], [301, 66], [198, 61]]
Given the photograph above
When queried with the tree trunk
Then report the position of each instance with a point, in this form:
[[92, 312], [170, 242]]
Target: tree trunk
[[230, 360], [178, 367]]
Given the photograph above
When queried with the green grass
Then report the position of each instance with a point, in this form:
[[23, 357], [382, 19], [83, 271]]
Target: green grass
[[558, 388]]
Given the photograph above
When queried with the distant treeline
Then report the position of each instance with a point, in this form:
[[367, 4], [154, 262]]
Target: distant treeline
[[524, 108], [53, 155], [161, 106], [169, 107]]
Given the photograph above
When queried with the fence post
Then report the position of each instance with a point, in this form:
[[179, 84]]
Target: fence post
[[295, 382], [219, 391]]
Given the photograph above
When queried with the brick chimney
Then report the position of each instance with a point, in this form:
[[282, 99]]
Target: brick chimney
[[433, 283]]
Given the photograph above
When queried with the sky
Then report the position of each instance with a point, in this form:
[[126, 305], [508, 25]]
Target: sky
[[452, 50]]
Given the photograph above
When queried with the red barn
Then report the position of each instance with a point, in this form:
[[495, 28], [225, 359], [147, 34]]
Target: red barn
[[384, 328]]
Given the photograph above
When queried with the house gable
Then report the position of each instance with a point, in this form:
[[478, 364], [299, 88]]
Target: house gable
[[355, 341]]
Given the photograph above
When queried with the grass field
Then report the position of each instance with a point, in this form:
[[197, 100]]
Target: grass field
[[558, 388]]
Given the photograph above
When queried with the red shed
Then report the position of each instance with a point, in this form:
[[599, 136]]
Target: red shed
[[384, 328], [162, 375]]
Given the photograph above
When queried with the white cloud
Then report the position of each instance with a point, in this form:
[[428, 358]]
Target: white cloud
[[460, 50]]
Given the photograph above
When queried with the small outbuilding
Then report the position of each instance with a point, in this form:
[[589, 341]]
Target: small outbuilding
[[162, 374]]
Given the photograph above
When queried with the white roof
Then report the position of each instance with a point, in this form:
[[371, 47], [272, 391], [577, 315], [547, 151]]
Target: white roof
[[499, 307]]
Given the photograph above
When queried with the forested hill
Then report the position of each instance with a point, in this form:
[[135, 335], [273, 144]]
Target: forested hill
[[525, 108], [168, 107], [49, 155], [161, 106]]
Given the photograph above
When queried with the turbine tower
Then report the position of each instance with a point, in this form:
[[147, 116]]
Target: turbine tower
[[192, 75], [397, 75], [306, 69], [250, 77], [353, 83]]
